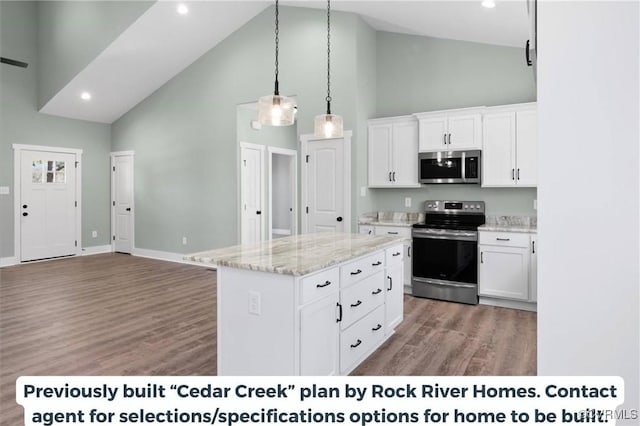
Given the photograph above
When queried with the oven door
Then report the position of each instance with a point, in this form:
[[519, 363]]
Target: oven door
[[445, 265]]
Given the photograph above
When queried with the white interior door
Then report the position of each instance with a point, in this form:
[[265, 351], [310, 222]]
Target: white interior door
[[251, 192], [122, 202], [325, 186], [48, 205]]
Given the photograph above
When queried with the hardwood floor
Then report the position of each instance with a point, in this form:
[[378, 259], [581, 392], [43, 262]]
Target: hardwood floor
[[115, 314]]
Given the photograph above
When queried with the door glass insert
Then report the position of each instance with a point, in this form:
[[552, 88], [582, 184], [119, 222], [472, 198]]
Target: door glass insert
[[44, 171], [60, 172], [37, 171]]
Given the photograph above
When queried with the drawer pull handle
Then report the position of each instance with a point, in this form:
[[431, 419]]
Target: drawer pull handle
[[392, 232], [358, 303], [503, 239], [390, 283], [326, 283], [377, 291], [357, 344], [356, 272], [396, 254], [339, 319], [378, 263], [376, 328]]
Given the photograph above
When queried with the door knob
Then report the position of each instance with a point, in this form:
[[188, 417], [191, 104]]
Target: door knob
[[25, 214], [258, 212], [24, 206], [128, 209], [339, 219]]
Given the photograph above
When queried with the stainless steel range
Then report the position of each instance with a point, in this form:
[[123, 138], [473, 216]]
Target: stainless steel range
[[445, 251]]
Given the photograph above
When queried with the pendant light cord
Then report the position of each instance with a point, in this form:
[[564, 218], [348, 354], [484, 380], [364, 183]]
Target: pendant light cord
[[328, 56], [276, 90]]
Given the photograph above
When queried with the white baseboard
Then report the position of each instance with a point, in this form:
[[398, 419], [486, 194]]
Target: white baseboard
[[8, 261], [86, 251], [513, 304], [165, 255]]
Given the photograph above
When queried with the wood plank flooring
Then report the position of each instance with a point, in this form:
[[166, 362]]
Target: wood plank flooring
[[115, 314]]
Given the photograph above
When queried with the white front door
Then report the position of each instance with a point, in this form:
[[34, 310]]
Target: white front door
[[122, 202], [326, 181], [251, 192], [47, 204]]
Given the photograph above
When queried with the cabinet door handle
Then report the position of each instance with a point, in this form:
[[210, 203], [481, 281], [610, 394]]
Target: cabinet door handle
[[392, 233], [357, 344], [518, 176], [526, 54], [533, 247], [449, 138], [377, 327], [503, 239], [376, 292], [339, 319], [358, 303], [408, 251], [378, 263], [444, 139], [389, 176], [394, 176], [390, 283], [370, 231], [326, 283], [481, 257], [396, 254], [513, 174], [359, 271]]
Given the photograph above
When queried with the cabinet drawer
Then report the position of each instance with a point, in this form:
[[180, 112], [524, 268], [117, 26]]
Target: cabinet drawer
[[399, 231], [357, 270], [361, 298], [359, 339], [320, 285], [394, 255], [510, 239]]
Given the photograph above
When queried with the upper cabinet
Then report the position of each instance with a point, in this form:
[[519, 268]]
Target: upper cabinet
[[450, 130], [393, 153], [509, 155]]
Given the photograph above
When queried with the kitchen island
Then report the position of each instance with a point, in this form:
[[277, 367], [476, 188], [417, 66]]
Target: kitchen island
[[309, 304]]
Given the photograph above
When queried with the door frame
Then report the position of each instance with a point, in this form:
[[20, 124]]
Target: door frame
[[294, 187], [262, 149], [304, 148], [133, 198], [17, 192]]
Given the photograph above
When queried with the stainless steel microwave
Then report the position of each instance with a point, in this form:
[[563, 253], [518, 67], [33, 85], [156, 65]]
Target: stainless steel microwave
[[449, 167]]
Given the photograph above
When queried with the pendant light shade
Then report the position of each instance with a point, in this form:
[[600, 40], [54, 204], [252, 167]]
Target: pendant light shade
[[276, 110], [328, 125]]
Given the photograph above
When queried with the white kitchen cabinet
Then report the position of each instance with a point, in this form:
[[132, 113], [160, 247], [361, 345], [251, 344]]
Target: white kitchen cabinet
[[366, 229], [401, 231], [450, 130], [394, 297], [319, 338], [393, 153], [504, 265], [509, 154], [533, 272]]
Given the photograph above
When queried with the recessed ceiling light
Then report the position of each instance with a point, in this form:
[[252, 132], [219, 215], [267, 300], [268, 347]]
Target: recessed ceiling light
[[489, 4], [85, 96], [183, 9]]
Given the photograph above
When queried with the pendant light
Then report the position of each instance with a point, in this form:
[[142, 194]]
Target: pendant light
[[328, 125], [276, 110]]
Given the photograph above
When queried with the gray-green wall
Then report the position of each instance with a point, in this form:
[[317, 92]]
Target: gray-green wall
[[73, 33], [185, 136], [20, 123], [416, 74]]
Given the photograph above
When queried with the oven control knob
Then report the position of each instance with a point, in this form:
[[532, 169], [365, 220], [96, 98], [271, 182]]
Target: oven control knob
[[466, 206], [477, 206]]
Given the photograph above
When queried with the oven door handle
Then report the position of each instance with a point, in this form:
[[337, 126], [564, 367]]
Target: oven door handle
[[459, 236], [444, 283]]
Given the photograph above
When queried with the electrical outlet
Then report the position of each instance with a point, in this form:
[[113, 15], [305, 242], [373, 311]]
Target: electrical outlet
[[4, 190], [407, 202], [184, 241], [363, 191], [94, 234], [255, 306]]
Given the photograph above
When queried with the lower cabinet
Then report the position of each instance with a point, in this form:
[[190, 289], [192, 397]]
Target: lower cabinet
[[402, 231], [319, 339], [507, 266], [394, 298], [533, 273]]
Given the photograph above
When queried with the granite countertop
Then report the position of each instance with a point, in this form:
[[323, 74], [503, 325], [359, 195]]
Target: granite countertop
[[405, 224], [525, 224], [401, 219], [295, 255]]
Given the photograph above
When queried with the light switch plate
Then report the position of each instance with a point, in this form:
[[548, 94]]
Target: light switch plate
[[363, 191], [407, 202], [535, 204], [4, 190]]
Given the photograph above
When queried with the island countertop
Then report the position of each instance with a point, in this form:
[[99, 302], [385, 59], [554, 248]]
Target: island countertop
[[295, 255]]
